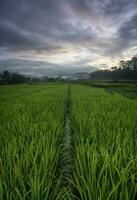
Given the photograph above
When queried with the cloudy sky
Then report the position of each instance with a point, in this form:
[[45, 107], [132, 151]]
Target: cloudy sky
[[49, 36]]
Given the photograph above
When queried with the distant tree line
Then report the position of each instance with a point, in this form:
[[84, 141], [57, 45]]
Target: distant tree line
[[126, 70], [8, 78]]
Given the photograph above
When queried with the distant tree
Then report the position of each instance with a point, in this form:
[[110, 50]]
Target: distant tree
[[123, 64], [125, 70], [114, 68], [17, 78], [134, 63], [36, 80], [44, 78], [0, 78], [6, 77]]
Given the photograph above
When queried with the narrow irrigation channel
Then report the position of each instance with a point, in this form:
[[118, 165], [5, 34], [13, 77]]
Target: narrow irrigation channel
[[66, 156]]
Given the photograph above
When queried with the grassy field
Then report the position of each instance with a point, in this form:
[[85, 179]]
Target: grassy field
[[128, 89], [31, 127], [105, 144], [61, 141]]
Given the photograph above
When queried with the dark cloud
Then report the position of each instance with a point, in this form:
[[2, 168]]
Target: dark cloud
[[128, 31], [114, 7], [38, 24], [104, 28]]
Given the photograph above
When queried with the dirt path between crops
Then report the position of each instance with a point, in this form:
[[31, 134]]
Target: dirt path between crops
[[66, 161]]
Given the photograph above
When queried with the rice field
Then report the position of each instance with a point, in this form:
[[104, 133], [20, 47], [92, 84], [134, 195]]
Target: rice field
[[31, 127], [65, 142], [105, 145]]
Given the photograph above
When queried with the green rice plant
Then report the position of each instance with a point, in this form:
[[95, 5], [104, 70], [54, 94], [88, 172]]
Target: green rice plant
[[31, 127], [96, 158], [105, 145]]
